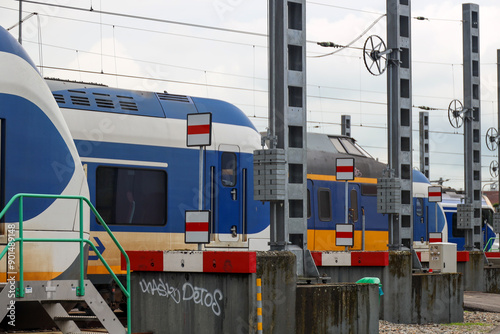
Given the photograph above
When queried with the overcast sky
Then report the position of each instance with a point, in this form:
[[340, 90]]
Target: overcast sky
[[189, 60]]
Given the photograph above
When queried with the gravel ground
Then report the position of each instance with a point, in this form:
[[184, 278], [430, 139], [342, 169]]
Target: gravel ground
[[474, 322]]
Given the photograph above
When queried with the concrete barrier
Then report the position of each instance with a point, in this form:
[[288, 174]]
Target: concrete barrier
[[337, 308], [491, 280], [437, 298], [477, 274], [216, 292], [277, 271], [395, 276], [192, 303], [407, 298], [473, 272]]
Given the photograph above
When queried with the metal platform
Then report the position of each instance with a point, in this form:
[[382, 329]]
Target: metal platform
[[52, 295]]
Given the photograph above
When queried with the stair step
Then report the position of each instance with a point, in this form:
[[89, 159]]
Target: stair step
[[53, 301], [77, 318], [88, 333]]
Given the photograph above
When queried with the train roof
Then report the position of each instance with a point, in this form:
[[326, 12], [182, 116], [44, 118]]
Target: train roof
[[335, 144], [452, 198], [323, 150], [95, 97]]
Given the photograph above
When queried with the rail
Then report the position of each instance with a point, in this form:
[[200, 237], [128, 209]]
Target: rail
[[81, 288], [490, 241]]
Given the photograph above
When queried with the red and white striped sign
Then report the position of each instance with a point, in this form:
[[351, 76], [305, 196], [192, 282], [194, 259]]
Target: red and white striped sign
[[197, 227], [345, 169], [344, 235], [199, 129], [435, 194], [435, 237]]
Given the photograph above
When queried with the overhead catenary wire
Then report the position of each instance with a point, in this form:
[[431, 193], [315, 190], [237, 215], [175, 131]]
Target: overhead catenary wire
[[345, 8], [353, 41], [149, 78], [138, 17], [156, 31], [213, 39]]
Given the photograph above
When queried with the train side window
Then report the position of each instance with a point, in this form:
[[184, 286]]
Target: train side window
[[324, 204], [228, 169], [368, 189], [419, 209], [131, 196], [457, 233], [354, 205]]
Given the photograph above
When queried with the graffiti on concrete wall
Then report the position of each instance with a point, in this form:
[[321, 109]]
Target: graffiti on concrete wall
[[188, 293]]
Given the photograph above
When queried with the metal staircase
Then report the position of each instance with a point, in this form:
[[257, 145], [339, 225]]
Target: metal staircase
[[54, 295]]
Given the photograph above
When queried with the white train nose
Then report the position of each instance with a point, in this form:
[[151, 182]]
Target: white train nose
[[39, 156]]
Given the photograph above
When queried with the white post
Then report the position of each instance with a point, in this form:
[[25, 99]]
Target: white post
[[346, 208], [200, 186], [436, 209]]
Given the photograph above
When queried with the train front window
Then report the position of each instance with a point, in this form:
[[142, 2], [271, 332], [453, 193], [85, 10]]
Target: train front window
[[349, 146], [338, 146], [129, 196], [487, 217], [362, 150]]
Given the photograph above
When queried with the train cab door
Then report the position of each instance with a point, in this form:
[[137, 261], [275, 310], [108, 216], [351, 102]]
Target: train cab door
[[229, 197], [354, 206], [420, 221], [355, 214]]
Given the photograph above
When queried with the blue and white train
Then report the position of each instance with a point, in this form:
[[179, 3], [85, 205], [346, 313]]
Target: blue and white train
[[450, 200]]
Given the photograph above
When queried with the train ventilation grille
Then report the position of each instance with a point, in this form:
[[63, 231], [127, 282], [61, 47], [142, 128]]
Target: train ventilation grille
[[80, 100], [127, 103], [104, 103], [59, 98], [172, 97], [130, 106]]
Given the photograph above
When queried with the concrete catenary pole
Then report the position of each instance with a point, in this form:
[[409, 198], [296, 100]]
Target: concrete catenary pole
[[281, 171], [424, 143], [399, 119], [470, 213]]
